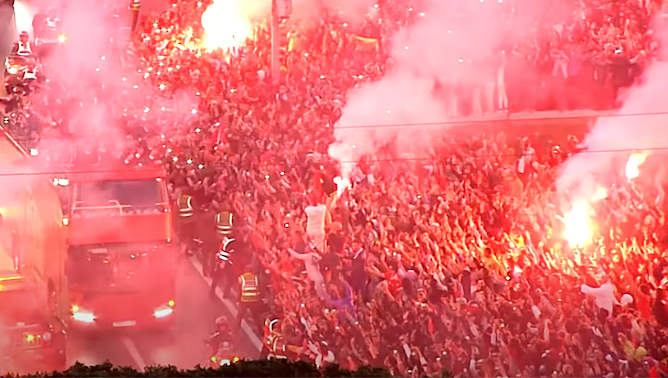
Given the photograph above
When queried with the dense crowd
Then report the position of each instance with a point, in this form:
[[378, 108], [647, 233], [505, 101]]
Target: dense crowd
[[585, 59], [455, 263]]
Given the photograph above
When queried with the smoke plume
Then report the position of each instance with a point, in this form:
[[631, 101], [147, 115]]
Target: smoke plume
[[637, 127], [447, 44]]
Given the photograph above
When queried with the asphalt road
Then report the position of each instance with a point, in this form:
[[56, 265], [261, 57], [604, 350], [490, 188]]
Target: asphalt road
[[183, 346]]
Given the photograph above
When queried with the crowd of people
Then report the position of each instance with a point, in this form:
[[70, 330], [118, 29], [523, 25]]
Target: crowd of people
[[456, 263]]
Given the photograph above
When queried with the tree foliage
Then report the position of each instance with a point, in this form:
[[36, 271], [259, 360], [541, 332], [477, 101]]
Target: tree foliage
[[260, 368]]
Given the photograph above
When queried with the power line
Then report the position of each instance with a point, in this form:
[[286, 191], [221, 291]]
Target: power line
[[507, 119], [73, 174]]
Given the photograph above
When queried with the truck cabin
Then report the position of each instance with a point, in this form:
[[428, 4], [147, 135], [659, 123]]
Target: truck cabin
[[32, 339], [119, 229], [23, 314]]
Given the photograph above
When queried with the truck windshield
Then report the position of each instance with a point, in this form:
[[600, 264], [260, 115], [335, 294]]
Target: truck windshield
[[19, 306], [134, 193], [117, 268]]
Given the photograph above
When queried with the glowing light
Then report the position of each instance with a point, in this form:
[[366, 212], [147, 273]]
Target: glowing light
[[162, 86], [341, 184], [633, 165], [84, 317], [194, 111], [578, 228], [225, 25], [62, 38], [163, 312], [34, 152]]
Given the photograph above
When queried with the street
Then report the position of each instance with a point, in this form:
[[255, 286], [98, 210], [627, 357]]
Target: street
[[183, 347]]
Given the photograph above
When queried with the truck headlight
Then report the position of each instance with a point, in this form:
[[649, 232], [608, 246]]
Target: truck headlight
[[84, 317], [224, 362], [164, 311]]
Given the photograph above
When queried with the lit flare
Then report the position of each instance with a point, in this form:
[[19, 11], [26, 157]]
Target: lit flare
[[225, 25], [633, 165], [578, 227], [341, 185]]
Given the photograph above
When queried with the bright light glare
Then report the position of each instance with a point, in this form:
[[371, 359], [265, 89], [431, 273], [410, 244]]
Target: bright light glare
[[341, 185], [84, 317], [633, 165], [225, 25], [163, 312], [23, 13], [578, 230]]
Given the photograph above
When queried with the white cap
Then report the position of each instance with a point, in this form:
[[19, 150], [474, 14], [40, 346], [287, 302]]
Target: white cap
[[626, 299]]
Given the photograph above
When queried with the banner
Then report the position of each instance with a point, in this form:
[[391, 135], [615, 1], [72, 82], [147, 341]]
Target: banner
[[362, 43], [315, 225]]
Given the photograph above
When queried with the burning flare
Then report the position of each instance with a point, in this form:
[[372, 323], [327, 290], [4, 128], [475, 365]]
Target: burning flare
[[341, 185], [633, 164], [578, 227], [225, 25]]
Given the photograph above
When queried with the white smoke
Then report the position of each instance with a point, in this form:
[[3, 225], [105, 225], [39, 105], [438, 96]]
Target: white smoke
[[447, 44], [639, 125]]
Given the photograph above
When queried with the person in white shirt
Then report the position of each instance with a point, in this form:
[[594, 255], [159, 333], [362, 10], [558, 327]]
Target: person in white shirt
[[315, 226], [605, 296]]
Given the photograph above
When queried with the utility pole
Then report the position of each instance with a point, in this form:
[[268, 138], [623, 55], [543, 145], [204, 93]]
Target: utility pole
[[135, 8], [275, 43]]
